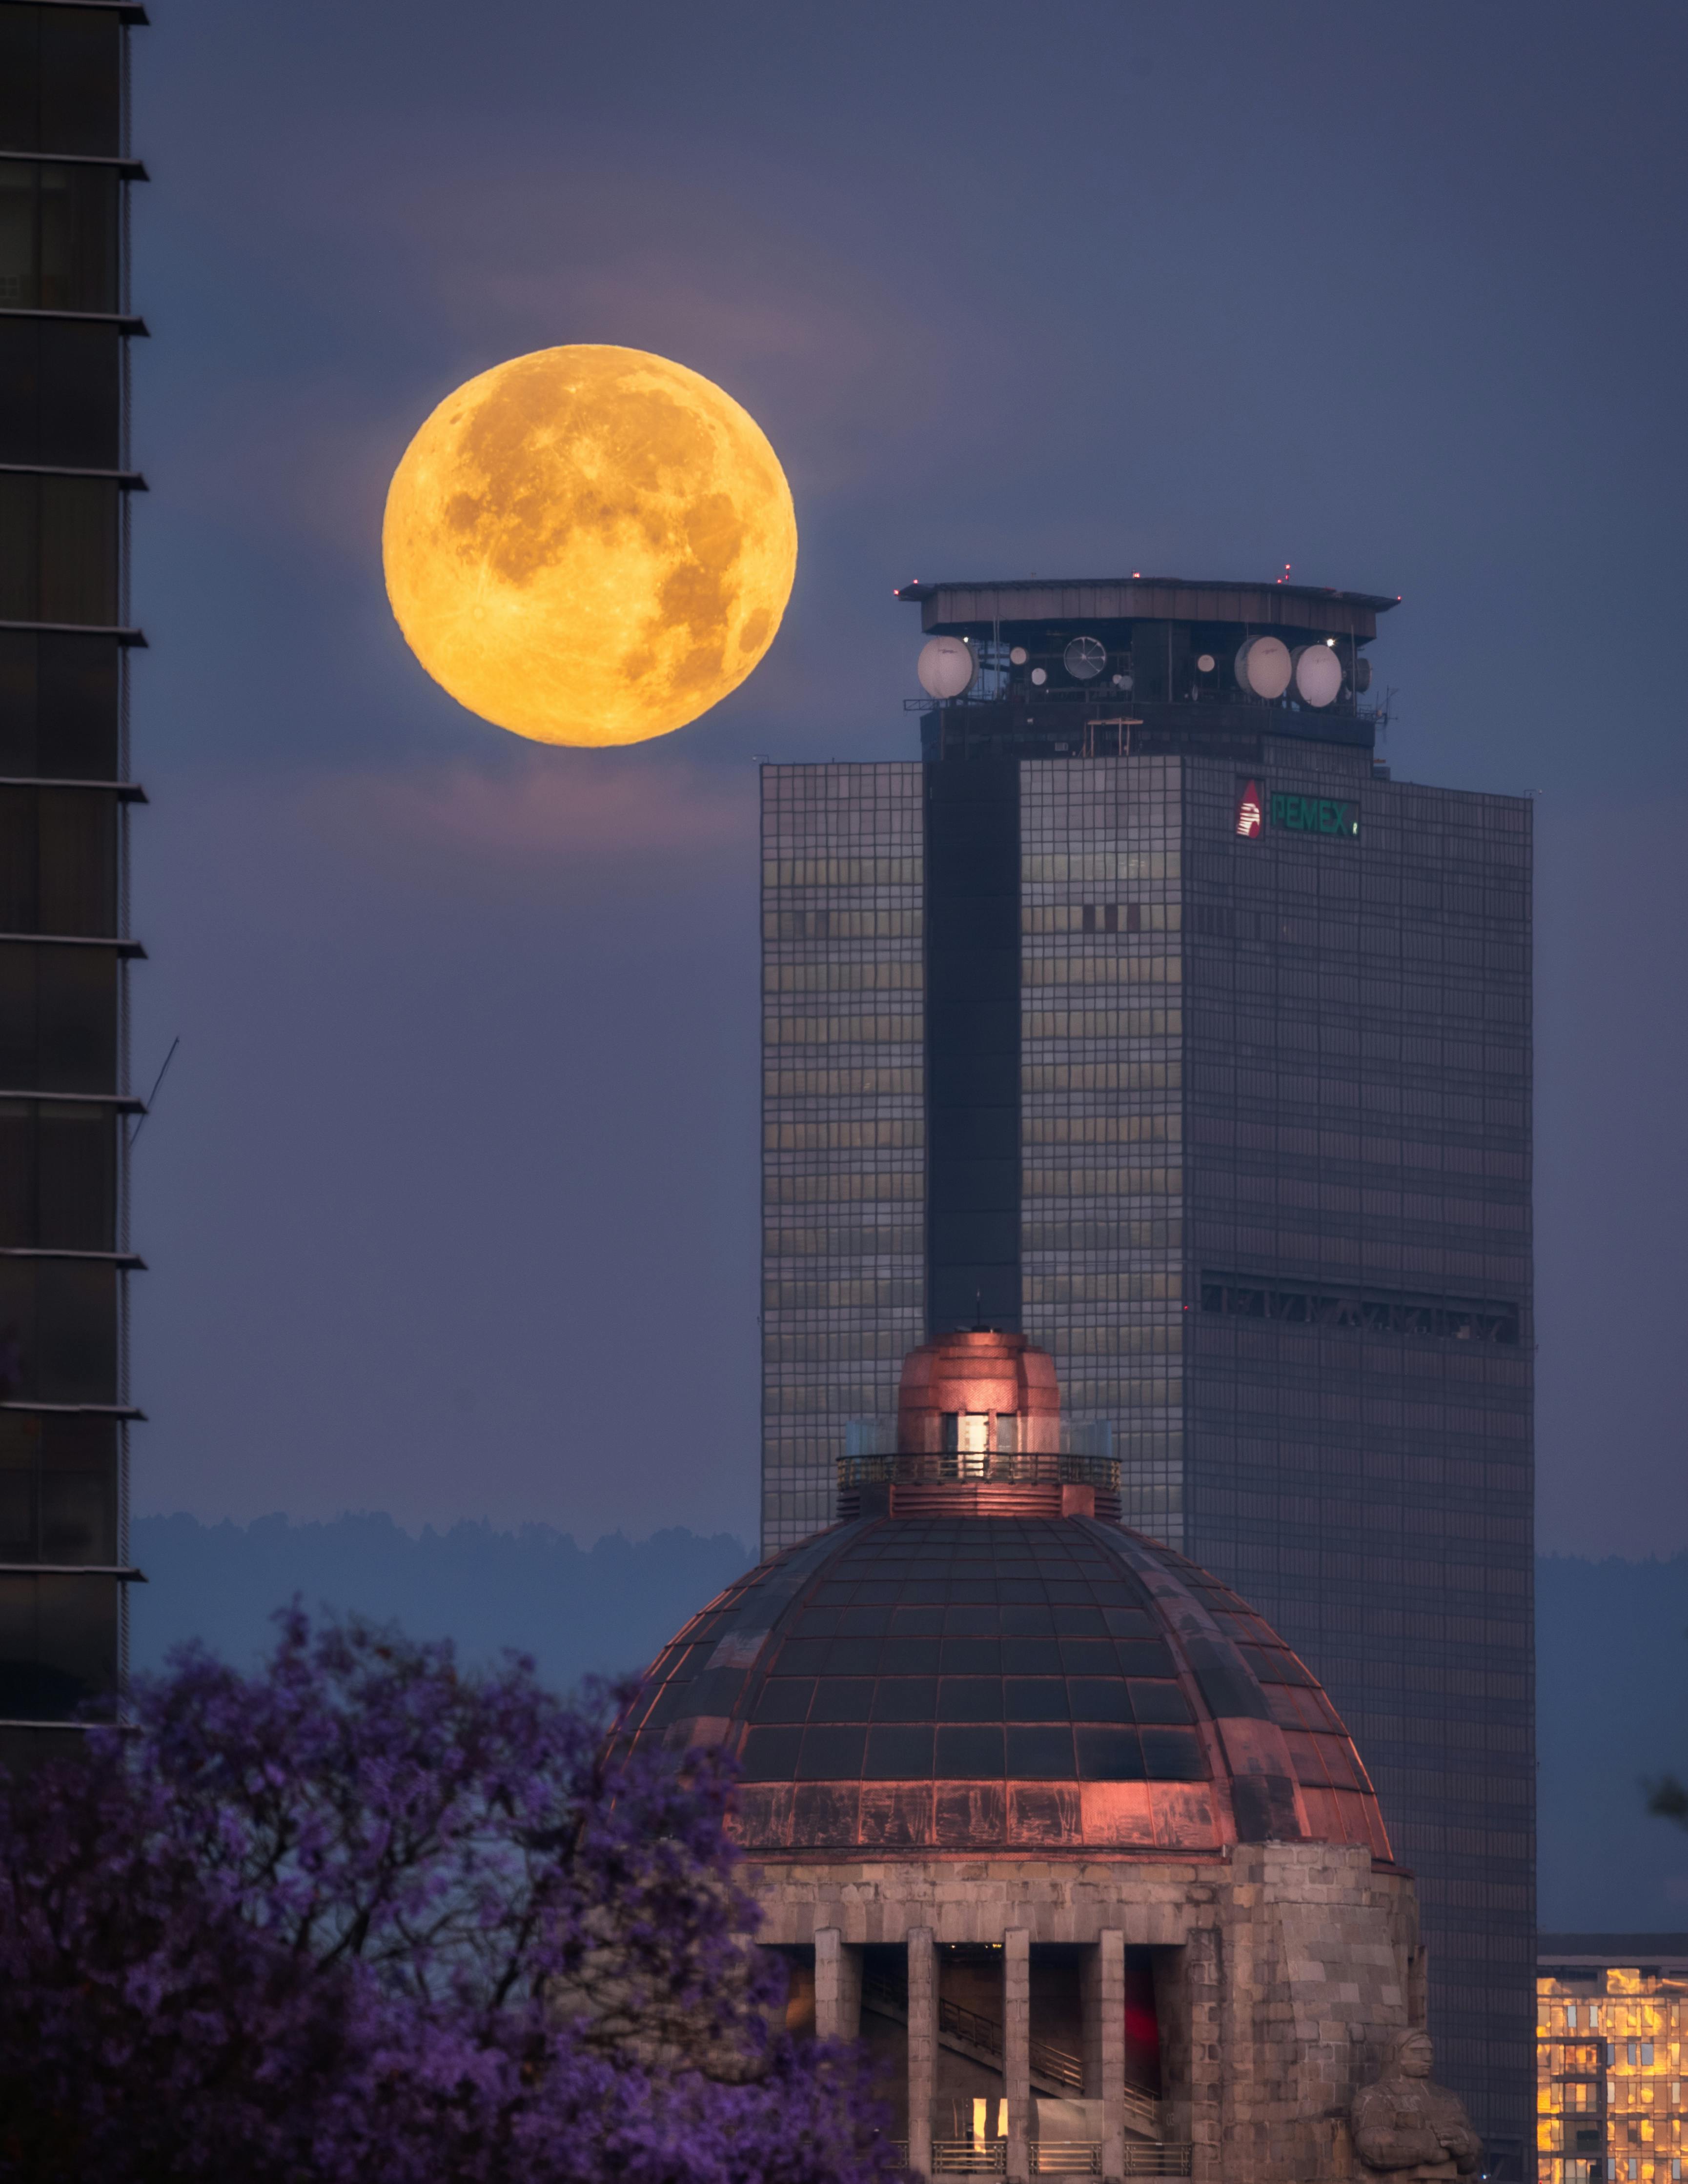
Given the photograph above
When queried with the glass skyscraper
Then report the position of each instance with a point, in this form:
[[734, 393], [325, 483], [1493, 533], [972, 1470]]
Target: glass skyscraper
[[65, 641], [1145, 1014]]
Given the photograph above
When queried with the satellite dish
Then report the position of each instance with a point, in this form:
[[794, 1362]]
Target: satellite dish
[[1016, 657], [1263, 668], [1205, 663], [1362, 674], [1319, 674], [1121, 681], [1039, 677], [946, 667], [1084, 658]]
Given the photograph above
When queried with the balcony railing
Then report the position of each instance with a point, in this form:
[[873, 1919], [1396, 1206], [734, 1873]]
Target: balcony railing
[[969, 2157], [1066, 2157], [1020, 1469], [1163, 2160], [1070, 2157]]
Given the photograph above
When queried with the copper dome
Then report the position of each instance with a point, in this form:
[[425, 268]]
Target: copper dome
[[1025, 1679]]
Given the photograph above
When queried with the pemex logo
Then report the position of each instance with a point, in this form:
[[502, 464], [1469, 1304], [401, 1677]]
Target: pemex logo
[[1248, 810]]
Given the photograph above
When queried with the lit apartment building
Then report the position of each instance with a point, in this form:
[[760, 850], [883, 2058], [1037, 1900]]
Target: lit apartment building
[[1610, 2024]]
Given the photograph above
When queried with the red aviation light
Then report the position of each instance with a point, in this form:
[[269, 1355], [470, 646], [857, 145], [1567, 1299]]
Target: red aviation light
[[1248, 812]]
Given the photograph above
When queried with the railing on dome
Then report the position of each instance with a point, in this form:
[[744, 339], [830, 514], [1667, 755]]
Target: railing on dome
[[994, 1466]]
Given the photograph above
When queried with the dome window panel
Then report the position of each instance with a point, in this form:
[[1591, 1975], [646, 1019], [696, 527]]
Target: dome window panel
[[842, 1698], [965, 1752], [1100, 1698], [1040, 1698], [1039, 1751], [970, 1698], [771, 1755], [1109, 1755], [906, 1698], [1158, 1702], [1172, 1755], [832, 1754], [902, 1753], [785, 1699]]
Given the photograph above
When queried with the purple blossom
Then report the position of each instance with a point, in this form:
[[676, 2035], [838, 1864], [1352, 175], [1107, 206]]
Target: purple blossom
[[361, 1914]]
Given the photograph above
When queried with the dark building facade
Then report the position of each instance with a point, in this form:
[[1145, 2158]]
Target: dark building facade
[[65, 643], [1146, 1015]]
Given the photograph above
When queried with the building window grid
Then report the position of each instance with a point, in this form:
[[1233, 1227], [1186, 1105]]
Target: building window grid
[[843, 1267], [1610, 2065], [1102, 1101], [1279, 939]]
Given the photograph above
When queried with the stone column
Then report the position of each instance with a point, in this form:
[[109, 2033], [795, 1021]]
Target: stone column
[[1017, 2045], [838, 1987], [1102, 1991], [922, 2045], [1205, 1970]]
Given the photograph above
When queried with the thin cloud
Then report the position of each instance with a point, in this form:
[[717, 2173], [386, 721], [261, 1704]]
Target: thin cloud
[[551, 820]]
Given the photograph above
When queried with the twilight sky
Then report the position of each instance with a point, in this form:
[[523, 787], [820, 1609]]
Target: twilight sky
[[450, 1198]]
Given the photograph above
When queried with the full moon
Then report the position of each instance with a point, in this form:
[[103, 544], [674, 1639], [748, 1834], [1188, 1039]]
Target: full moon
[[589, 545]]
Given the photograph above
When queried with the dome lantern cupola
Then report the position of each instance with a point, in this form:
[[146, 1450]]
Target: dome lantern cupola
[[979, 1433]]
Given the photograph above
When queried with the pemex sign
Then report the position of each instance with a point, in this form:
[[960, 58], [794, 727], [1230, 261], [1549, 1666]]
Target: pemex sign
[[1288, 812]]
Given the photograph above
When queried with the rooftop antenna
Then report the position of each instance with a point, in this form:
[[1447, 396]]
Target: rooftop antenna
[[154, 1094]]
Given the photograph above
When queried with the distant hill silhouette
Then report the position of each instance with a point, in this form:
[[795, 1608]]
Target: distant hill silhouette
[[1612, 1654], [608, 1608]]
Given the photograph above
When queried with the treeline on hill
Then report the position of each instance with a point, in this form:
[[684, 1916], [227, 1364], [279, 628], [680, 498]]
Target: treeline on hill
[[604, 1610]]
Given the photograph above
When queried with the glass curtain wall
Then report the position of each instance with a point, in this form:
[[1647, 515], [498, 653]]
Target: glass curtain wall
[[1359, 1398], [64, 799], [1101, 1122], [842, 1120]]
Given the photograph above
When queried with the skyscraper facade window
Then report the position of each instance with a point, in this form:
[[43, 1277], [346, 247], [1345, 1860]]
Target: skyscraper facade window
[[1211, 1076], [65, 794]]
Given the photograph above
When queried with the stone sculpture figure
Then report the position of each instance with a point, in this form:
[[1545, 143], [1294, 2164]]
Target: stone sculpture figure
[[1406, 2127]]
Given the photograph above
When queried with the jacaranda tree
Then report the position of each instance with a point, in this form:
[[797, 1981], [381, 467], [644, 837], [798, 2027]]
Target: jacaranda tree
[[364, 1914]]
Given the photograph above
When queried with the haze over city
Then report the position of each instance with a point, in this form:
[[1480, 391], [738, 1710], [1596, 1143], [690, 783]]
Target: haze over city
[[1383, 297]]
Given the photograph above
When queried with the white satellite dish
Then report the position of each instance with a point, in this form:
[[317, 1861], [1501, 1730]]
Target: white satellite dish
[[1016, 655], [1319, 674], [1205, 663], [1040, 678], [1084, 658], [1263, 666], [1362, 674], [946, 667]]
